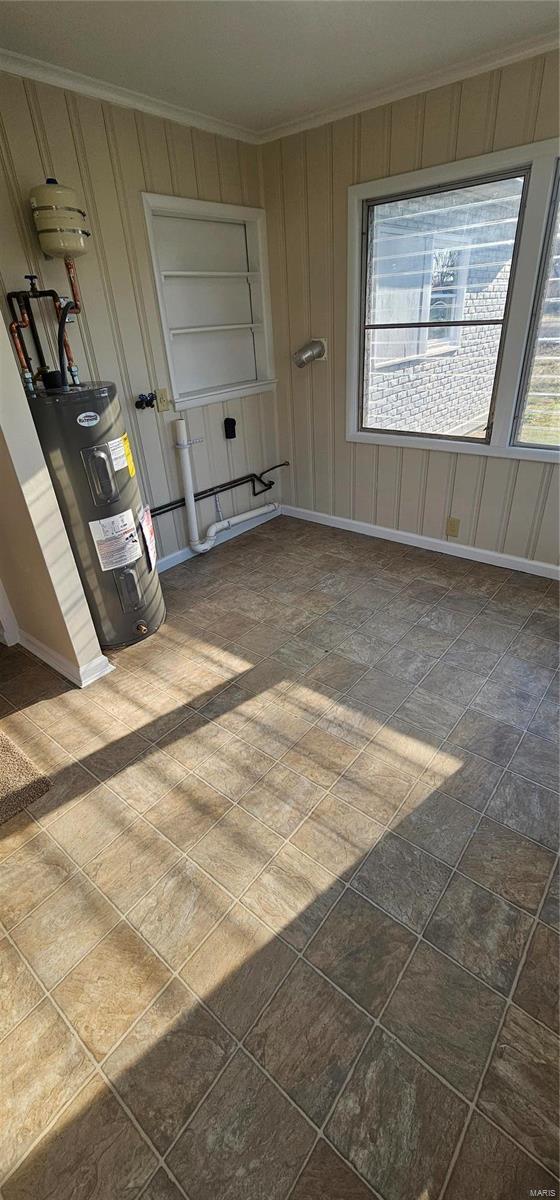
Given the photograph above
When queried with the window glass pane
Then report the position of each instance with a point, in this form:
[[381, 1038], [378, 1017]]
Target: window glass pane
[[434, 263], [540, 419], [411, 397]]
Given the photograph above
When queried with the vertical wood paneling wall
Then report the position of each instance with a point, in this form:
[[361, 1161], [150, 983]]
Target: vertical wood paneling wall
[[503, 505], [110, 155]]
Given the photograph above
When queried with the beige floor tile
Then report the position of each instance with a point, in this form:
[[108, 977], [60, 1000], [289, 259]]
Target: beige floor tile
[[353, 721], [274, 730], [127, 868], [150, 712], [308, 702], [235, 768], [293, 895], [70, 782], [179, 911], [237, 969], [336, 672], [15, 724], [233, 708], [168, 1061], [236, 849], [337, 836], [194, 740], [373, 786], [16, 832], [29, 875], [109, 988], [320, 756], [188, 811], [20, 991], [282, 799], [43, 1065], [406, 747], [93, 1139], [111, 750], [147, 779], [90, 825], [64, 928]]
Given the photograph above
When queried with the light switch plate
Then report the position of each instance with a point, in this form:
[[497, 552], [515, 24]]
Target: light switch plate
[[163, 403]]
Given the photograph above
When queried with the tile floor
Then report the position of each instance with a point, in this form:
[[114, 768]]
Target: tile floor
[[286, 923]]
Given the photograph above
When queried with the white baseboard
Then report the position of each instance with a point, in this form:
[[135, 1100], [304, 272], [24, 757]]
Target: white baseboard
[[81, 676], [180, 556], [511, 561]]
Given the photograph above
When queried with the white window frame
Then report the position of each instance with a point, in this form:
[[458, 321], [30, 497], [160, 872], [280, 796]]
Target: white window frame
[[254, 220], [540, 158]]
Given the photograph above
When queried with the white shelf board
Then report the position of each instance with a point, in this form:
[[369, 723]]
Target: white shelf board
[[248, 387], [215, 328], [210, 274]]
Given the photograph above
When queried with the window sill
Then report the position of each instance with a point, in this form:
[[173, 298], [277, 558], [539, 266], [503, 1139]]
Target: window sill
[[217, 395], [451, 445], [428, 355]]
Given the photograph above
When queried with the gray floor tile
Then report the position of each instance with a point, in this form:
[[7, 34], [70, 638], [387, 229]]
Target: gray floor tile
[[326, 1177], [486, 737], [510, 704], [435, 822], [508, 864], [526, 807], [481, 932], [445, 1016], [308, 1038], [520, 1090], [403, 880], [550, 911], [491, 1167], [537, 987], [427, 710], [362, 950], [537, 758], [227, 1151], [396, 1123], [464, 776]]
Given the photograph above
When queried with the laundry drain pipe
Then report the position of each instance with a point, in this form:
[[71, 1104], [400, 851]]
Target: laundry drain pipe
[[198, 545]]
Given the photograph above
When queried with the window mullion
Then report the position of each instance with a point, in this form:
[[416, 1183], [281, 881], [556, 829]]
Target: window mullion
[[533, 230]]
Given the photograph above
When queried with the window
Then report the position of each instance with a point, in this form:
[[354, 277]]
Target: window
[[443, 274], [438, 268], [210, 269], [538, 422]]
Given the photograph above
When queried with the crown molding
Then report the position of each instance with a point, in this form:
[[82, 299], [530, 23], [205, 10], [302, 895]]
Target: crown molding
[[414, 86], [86, 85]]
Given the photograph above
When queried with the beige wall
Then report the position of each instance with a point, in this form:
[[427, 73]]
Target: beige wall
[[37, 568], [110, 155], [503, 505]]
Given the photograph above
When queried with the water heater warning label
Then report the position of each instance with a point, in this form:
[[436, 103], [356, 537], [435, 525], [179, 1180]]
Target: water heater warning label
[[116, 540], [121, 454]]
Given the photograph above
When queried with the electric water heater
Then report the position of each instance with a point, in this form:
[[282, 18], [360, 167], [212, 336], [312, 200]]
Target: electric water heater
[[90, 461]]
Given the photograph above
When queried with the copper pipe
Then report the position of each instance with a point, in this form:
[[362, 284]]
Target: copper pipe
[[74, 285], [67, 349], [14, 334]]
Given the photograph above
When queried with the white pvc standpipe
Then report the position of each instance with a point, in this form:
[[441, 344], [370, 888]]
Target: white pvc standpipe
[[198, 545]]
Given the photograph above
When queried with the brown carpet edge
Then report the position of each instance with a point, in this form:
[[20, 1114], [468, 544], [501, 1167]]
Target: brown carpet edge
[[21, 782]]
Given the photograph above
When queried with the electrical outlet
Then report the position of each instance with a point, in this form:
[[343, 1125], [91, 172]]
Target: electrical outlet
[[163, 403], [453, 526]]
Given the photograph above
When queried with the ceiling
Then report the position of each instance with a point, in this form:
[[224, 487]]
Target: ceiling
[[262, 67]]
